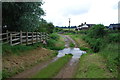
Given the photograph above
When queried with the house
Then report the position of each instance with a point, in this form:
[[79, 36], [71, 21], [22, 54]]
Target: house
[[84, 26], [114, 26]]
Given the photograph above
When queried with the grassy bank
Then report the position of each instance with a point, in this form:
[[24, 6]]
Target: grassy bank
[[92, 66], [102, 43], [52, 69], [81, 43], [8, 50], [105, 42], [18, 58], [15, 64], [56, 42]]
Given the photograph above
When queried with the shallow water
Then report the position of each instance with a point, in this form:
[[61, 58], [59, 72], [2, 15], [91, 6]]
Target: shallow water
[[76, 52]]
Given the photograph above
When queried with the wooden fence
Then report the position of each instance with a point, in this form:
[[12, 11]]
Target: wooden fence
[[25, 38]]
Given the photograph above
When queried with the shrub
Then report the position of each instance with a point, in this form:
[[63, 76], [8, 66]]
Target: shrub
[[113, 37], [96, 31], [57, 29], [51, 43], [54, 36]]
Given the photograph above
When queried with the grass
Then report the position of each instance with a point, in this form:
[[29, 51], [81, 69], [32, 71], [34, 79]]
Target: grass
[[56, 42], [72, 29], [92, 66], [110, 52], [53, 68], [7, 73], [60, 44], [18, 49], [95, 65], [81, 43], [72, 45]]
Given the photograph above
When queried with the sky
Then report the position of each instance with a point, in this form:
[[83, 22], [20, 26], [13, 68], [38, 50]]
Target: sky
[[79, 11]]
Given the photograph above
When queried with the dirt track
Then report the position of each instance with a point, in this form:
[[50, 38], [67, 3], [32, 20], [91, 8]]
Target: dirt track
[[69, 69]]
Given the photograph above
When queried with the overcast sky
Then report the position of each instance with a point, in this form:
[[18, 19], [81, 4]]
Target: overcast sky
[[90, 11]]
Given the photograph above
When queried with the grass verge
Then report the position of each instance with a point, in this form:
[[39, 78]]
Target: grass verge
[[92, 66], [53, 68], [18, 49], [72, 45], [7, 73], [81, 43], [56, 42]]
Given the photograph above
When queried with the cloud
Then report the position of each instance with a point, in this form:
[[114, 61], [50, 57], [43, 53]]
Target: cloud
[[90, 11], [75, 10]]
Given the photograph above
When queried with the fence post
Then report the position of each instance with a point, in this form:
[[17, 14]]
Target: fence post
[[11, 39], [32, 37], [26, 38], [7, 36], [20, 37], [47, 36], [44, 36], [36, 37], [40, 36]]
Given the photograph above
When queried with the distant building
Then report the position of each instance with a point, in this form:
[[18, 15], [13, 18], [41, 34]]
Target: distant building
[[84, 26], [114, 26]]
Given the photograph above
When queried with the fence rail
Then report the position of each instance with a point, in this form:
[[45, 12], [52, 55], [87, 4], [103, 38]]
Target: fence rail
[[25, 38]]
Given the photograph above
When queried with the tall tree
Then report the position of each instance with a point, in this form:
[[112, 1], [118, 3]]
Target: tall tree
[[23, 16]]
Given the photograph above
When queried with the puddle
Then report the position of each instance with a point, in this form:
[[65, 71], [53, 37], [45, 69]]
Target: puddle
[[76, 52]]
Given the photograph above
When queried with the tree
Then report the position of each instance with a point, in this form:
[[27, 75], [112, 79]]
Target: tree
[[23, 16], [44, 26]]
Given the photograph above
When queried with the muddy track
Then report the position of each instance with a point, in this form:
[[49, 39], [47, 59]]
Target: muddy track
[[68, 39], [29, 73], [69, 69]]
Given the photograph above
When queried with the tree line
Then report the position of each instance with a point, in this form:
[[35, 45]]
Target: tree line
[[24, 16]]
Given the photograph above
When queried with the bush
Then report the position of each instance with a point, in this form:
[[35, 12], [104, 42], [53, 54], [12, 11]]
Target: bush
[[105, 43], [54, 36], [113, 37], [96, 31], [95, 44], [54, 39], [57, 29]]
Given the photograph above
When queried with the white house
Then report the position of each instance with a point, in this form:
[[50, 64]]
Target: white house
[[84, 26]]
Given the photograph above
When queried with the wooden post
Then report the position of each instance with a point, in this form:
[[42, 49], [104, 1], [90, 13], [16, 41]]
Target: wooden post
[[11, 39], [20, 37], [47, 36], [44, 36], [7, 36], [32, 37], [26, 38], [40, 36], [36, 37]]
